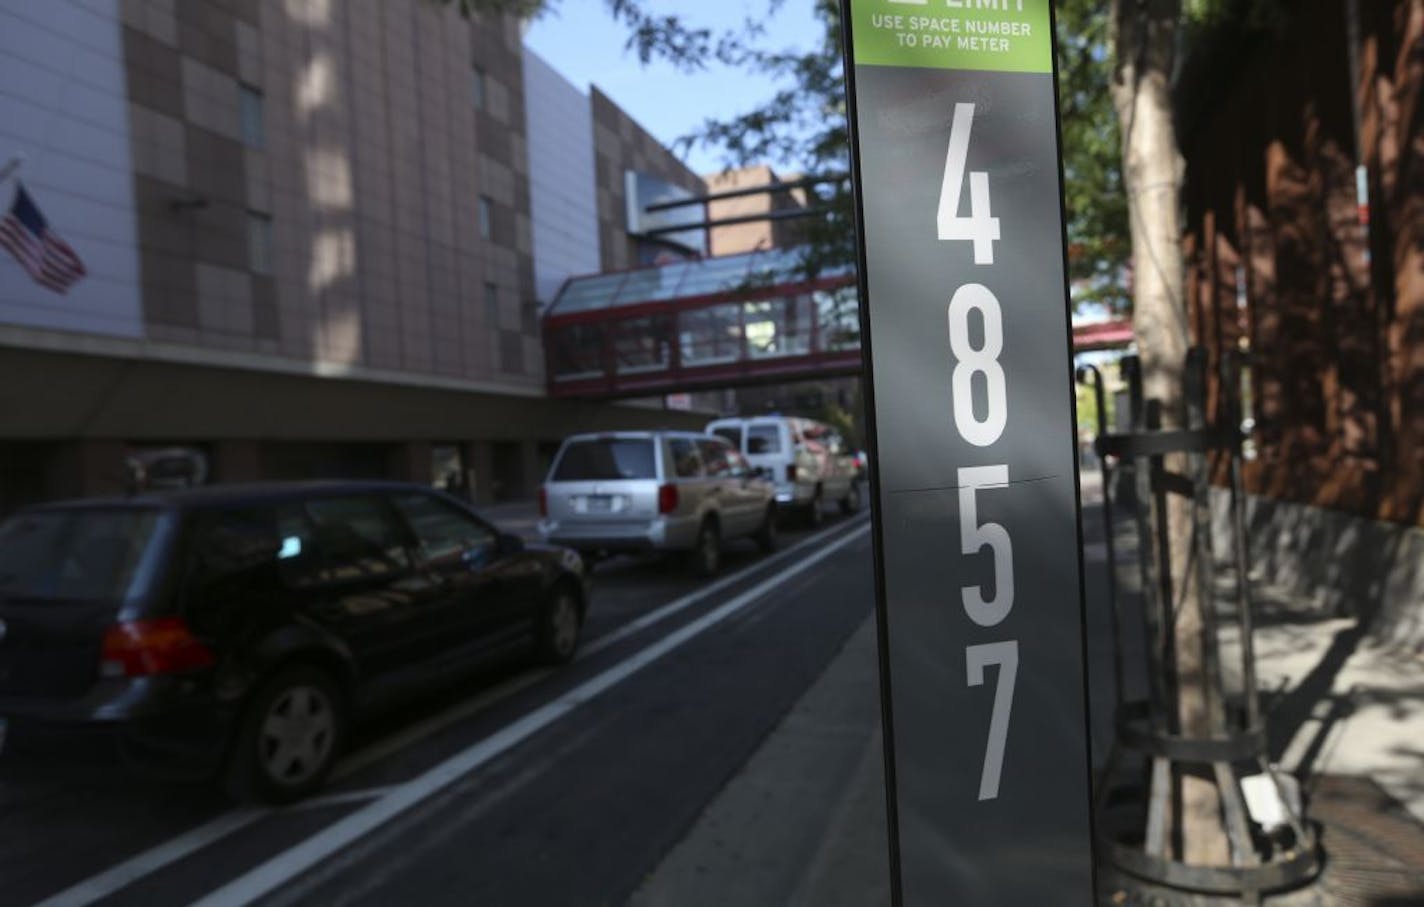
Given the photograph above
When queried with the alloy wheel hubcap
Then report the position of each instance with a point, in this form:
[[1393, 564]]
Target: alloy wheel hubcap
[[297, 734]]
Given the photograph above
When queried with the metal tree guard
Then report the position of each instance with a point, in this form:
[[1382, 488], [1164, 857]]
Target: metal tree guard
[[1267, 853]]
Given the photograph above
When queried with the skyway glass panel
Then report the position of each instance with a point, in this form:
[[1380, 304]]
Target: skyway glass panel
[[776, 266], [576, 351], [838, 317], [711, 334], [651, 284], [642, 344], [587, 293], [778, 327], [715, 275]]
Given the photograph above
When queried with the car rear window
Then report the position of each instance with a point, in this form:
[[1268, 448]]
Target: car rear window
[[74, 554], [731, 433], [764, 438], [605, 459]]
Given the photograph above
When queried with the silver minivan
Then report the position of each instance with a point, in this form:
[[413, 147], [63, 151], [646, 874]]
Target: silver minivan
[[620, 492], [808, 460]]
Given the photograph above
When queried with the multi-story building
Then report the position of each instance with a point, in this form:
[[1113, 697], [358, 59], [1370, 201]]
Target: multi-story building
[[318, 234]]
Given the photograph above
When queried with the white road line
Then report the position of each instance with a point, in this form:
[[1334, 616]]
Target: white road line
[[692, 598], [153, 859], [388, 746], [269, 876], [149, 861]]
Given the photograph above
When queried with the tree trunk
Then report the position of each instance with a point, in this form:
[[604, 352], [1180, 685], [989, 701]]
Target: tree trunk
[[1145, 37]]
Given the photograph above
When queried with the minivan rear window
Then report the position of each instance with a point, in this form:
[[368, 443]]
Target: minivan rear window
[[74, 554], [606, 459], [764, 438], [732, 434]]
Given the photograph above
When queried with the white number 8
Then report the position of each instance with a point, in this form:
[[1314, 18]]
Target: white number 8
[[969, 361]]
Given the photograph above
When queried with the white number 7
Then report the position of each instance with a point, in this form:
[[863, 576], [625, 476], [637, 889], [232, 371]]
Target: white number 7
[[1006, 656], [980, 227]]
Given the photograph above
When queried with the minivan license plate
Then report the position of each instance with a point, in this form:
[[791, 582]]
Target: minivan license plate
[[600, 503]]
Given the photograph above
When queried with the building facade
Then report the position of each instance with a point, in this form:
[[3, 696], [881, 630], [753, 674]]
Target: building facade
[[1304, 244], [318, 235], [771, 233]]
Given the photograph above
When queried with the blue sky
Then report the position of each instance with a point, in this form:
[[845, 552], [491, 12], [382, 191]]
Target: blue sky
[[581, 40]]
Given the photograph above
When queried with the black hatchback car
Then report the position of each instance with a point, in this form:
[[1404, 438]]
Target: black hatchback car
[[238, 631]]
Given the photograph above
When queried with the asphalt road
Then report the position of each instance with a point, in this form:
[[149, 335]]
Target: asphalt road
[[520, 787]]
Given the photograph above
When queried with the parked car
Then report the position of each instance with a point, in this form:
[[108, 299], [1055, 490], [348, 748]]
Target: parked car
[[239, 631], [862, 465], [655, 491], [808, 460]]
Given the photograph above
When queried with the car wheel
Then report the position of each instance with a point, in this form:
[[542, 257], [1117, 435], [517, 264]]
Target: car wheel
[[851, 502], [291, 734], [765, 537], [559, 626], [707, 550], [815, 515]]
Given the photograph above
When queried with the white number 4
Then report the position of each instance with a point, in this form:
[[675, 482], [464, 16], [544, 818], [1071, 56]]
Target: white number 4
[[980, 227], [1006, 656]]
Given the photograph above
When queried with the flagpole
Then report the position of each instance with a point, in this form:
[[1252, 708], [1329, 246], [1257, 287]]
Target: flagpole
[[11, 166]]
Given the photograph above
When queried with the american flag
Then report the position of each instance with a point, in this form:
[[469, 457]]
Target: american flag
[[44, 256]]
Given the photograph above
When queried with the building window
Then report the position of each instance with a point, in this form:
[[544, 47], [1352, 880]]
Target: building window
[[491, 305], [486, 217], [477, 87], [250, 106], [259, 242]]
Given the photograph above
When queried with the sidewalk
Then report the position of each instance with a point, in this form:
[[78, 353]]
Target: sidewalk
[[803, 823]]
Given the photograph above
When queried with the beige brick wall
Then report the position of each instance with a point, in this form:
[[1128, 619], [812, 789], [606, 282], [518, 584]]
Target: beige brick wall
[[619, 145], [763, 234], [373, 159]]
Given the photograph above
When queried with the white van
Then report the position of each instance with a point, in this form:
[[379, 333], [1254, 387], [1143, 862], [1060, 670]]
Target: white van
[[808, 461]]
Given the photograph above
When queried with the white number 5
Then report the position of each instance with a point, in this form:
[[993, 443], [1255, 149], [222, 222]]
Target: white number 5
[[974, 537], [980, 227]]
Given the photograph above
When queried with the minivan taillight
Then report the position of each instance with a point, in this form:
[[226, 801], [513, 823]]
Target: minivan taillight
[[667, 498], [140, 648], [543, 501], [790, 472]]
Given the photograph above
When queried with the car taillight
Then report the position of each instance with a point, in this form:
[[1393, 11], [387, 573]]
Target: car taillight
[[140, 648], [667, 498], [790, 472], [543, 501]]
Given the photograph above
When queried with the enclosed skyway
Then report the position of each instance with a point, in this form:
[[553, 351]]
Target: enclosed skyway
[[715, 322]]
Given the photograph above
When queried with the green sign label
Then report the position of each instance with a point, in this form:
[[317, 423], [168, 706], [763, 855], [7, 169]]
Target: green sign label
[[990, 35]]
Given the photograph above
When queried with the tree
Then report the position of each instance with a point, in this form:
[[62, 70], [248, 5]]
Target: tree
[[1147, 36], [1098, 237]]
